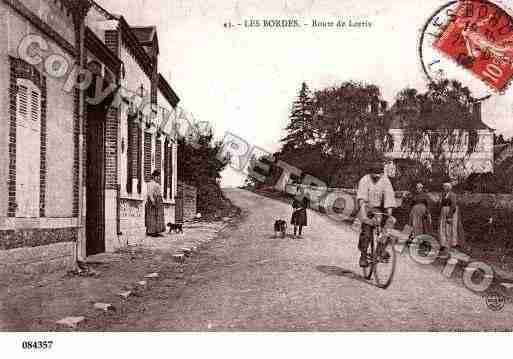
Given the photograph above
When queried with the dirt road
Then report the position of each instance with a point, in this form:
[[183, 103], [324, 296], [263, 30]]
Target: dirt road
[[248, 280]]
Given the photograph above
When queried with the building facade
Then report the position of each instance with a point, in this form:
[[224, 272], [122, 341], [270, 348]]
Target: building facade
[[81, 129], [39, 123], [455, 151]]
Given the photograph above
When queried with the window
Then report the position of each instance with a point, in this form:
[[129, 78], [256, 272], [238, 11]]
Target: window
[[28, 149]]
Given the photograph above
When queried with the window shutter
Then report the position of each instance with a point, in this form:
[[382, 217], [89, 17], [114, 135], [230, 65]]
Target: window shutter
[[170, 168], [158, 157], [147, 156], [131, 154], [35, 107], [139, 160], [166, 167], [23, 104], [28, 149]]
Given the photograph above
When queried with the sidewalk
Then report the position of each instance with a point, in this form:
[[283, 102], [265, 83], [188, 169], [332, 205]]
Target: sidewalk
[[110, 278]]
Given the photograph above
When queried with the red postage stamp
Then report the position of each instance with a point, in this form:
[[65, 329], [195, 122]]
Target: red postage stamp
[[479, 36]]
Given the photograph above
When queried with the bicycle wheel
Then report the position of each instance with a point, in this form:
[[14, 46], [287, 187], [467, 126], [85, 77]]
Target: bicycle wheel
[[384, 267], [367, 271]]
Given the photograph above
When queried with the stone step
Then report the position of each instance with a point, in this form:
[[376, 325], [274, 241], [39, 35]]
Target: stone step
[[125, 295], [104, 306], [71, 322], [152, 275]]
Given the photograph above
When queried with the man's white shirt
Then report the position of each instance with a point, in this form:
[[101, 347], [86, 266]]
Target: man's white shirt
[[376, 194]]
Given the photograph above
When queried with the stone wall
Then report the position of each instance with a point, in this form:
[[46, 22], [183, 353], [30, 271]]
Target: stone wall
[[36, 260], [132, 224], [131, 221]]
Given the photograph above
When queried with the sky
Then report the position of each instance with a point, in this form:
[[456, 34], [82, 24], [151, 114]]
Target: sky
[[244, 80]]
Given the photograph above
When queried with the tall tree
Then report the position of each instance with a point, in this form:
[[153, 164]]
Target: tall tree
[[335, 132], [299, 129]]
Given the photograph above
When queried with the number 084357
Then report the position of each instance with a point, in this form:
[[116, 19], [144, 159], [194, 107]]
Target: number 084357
[[37, 344]]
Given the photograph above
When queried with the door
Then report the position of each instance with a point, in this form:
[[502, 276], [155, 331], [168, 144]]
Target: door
[[95, 180]]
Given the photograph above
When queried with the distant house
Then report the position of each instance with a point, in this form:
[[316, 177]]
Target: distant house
[[480, 160]]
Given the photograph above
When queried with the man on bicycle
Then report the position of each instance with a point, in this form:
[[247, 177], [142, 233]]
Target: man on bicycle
[[375, 194]]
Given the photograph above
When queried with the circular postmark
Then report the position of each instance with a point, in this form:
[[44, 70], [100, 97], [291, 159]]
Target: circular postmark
[[470, 41], [495, 301]]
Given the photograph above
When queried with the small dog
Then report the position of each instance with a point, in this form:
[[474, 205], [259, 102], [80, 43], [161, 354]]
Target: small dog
[[280, 227], [175, 227]]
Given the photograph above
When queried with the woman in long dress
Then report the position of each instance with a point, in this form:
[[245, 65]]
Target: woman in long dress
[[451, 228], [420, 214], [154, 208]]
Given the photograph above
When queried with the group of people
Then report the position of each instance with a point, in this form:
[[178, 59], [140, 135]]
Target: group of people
[[376, 194], [450, 228]]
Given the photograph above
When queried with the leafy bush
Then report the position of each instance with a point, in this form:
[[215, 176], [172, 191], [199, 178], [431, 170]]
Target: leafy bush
[[199, 166], [409, 172], [486, 183]]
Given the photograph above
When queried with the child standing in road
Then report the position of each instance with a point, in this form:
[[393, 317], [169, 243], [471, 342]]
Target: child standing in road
[[298, 219]]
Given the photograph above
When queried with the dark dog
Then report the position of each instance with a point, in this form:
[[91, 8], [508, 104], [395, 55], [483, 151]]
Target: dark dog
[[175, 227], [280, 227]]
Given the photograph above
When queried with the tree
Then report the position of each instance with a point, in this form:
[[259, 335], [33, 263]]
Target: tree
[[199, 166], [351, 123], [499, 139], [439, 127], [335, 132], [300, 127]]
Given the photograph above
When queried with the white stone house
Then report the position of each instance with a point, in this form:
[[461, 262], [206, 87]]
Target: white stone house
[[462, 162]]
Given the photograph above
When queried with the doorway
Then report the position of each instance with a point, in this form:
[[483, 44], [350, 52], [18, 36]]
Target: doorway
[[95, 180]]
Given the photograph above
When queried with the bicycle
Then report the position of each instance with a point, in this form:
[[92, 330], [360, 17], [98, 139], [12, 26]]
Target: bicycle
[[379, 263]]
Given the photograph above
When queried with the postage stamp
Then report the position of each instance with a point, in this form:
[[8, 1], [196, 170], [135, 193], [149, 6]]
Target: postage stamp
[[479, 37]]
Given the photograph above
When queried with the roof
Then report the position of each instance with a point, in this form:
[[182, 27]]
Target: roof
[[130, 38], [104, 11], [144, 33], [147, 37], [168, 91], [400, 121], [101, 51]]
